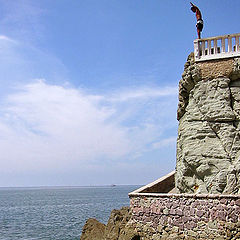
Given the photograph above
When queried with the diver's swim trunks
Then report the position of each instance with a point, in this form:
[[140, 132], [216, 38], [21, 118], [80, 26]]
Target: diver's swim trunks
[[199, 24]]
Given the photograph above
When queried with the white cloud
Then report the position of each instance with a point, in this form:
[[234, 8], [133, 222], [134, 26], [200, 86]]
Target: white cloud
[[5, 38], [165, 143], [51, 126], [144, 92], [47, 126]]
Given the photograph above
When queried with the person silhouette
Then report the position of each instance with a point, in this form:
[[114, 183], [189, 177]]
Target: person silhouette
[[199, 24]]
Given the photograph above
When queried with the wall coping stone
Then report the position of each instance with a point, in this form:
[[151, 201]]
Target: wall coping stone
[[142, 192], [183, 195], [161, 181]]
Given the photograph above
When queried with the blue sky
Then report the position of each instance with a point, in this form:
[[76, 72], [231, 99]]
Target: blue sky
[[89, 88]]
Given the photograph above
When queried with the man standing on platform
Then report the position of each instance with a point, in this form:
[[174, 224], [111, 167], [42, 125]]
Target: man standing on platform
[[199, 24]]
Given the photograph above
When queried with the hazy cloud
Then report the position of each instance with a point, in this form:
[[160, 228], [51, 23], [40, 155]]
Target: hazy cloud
[[51, 126], [164, 143], [5, 38], [144, 92]]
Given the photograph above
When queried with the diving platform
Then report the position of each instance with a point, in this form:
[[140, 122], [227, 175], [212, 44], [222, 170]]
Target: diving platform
[[226, 46]]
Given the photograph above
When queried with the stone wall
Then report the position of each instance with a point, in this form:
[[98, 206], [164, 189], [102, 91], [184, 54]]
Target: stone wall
[[216, 68], [179, 216]]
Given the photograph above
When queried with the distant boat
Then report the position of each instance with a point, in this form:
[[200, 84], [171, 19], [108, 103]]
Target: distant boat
[[112, 185]]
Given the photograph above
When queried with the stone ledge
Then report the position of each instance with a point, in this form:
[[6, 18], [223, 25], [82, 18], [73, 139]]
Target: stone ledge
[[183, 195], [162, 185]]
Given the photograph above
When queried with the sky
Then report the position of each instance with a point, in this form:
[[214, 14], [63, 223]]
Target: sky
[[89, 88]]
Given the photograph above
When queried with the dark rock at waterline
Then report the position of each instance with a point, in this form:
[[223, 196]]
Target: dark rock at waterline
[[93, 229], [117, 228]]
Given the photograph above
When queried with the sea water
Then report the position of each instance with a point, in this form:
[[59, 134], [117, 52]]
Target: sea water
[[57, 213]]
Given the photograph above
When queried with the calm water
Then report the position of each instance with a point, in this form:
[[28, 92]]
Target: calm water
[[56, 213]]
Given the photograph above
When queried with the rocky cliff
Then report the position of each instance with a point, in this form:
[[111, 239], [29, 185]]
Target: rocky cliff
[[208, 161], [208, 144]]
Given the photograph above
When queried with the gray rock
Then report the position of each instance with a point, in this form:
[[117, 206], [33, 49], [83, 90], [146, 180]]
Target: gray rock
[[208, 144]]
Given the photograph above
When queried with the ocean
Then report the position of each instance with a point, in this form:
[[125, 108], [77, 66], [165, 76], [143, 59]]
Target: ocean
[[56, 213]]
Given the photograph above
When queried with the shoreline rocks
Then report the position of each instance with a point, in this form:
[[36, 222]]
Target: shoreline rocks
[[117, 228]]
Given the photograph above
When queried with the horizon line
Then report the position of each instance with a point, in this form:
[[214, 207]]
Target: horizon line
[[71, 186]]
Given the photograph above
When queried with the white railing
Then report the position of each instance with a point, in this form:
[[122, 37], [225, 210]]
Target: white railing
[[217, 47]]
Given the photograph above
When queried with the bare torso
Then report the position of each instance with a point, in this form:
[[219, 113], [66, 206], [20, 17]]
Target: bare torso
[[198, 14]]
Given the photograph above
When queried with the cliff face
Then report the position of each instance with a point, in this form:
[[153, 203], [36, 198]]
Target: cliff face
[[208, 161], [208, 144]]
